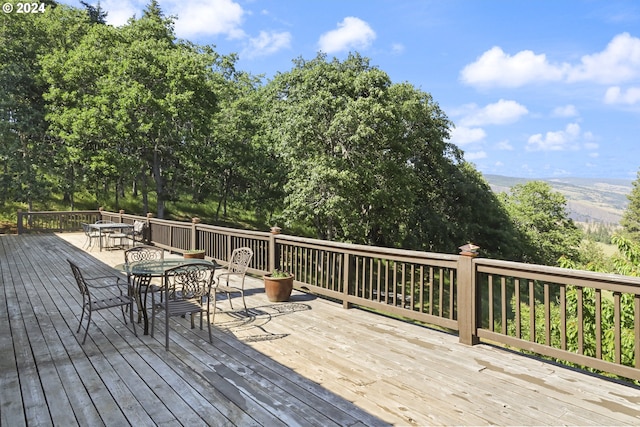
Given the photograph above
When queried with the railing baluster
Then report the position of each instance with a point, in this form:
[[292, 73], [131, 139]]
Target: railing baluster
[[617, 327], [580, 319], [518, 324], [503, 304], [547, 315], [598, 320], [490, 303], [563, 317], [532, 312]]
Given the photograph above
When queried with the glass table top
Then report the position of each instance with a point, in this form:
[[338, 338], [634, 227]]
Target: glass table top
[[159, 267]]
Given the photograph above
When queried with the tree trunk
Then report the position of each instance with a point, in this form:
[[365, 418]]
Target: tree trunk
[[157, 176]]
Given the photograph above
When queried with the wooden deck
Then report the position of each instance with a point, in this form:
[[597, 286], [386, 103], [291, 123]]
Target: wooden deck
[[306, 362]]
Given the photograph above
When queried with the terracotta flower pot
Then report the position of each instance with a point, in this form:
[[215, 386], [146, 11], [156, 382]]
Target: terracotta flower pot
[[278, 289], [194, 254]]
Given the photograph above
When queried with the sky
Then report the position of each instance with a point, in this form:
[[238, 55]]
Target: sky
[[535, 88]]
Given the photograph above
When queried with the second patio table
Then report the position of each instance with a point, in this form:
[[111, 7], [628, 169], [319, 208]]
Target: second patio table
[[155, 268]]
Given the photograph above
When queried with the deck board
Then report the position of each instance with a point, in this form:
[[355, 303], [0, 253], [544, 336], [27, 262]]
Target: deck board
[[306, 362]]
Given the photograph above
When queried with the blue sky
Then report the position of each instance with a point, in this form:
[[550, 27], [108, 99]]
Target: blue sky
[[536, 88]]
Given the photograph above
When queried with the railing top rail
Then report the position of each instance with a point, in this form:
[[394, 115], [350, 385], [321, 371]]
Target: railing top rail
[[559, 272], [235, 231], [368, 250], [178, 224], [57, 212]]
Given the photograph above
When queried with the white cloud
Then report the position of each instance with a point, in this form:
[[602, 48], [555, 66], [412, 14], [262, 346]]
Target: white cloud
[[397, 48], [615, 95], [352, 33], [504, 146], [562, 140], [565, 111], [207, 18], [475, 155], [268, 43], [496, 68], [463, 135], [194, 17], [499, 113], [618, 62], [119, 12]]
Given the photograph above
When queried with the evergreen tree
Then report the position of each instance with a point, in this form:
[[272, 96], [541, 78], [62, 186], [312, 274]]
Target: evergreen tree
[[631, 218]]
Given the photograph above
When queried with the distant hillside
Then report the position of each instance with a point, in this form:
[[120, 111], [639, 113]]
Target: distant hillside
[[588, 199]]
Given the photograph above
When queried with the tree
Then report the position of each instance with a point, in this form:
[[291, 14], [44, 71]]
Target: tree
[[96, 14], [368, 161], [630, 221], [133, 102], [540, 214], [25, 150]]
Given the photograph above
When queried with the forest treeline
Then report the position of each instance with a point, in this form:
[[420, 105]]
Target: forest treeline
[[330, 147]]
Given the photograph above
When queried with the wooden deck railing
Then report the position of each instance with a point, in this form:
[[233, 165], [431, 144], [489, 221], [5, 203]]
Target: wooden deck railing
[[54, 221], [590, 319]]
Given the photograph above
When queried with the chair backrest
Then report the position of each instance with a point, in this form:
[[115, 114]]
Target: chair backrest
[[138, 226], [143, 253], [104, 221], [86, 229], [140, 281], [191, 281], [240, 259], [82, 285]]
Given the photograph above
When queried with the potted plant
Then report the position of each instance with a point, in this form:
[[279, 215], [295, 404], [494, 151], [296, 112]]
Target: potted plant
[[194, 253], [278, 285]]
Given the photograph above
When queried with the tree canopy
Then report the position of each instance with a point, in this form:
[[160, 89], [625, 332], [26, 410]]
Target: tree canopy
[[541, 216], [331, 148]]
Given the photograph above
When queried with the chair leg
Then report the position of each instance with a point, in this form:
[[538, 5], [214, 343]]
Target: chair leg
[[229, 298], [245, 304], [133, 324], [166, 330], [86, 331], [81, 317]]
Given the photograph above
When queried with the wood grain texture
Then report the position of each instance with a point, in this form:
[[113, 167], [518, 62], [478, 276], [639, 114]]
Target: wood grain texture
[[304, 362]]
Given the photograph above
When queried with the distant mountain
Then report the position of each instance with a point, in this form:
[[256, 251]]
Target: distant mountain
[[588, 199]]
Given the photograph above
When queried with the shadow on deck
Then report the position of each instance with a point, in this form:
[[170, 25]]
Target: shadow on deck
[[305, 362]]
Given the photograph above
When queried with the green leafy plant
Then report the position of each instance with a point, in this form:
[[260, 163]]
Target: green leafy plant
[[278, 274]]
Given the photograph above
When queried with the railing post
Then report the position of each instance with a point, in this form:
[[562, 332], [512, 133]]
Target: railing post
[[20, 220], [120, 212], [194, 232], [148, 229], [467, 297], [345, 280], [275, 230]]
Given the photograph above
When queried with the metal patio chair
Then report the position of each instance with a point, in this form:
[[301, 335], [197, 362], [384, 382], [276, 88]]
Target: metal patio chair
[[91, 234], [142, 287], [187, 290], [91, 303], [238, 265]]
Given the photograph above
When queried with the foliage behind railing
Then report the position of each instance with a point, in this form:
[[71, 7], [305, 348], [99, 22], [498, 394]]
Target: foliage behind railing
[[588, 319]]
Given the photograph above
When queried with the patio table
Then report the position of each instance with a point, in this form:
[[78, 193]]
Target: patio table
[[155, 268], [106, 227]]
